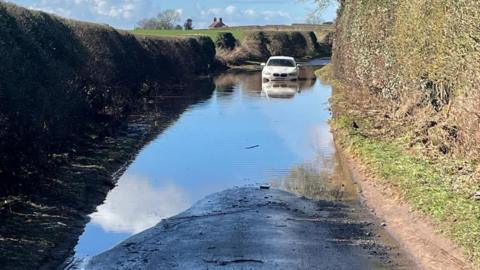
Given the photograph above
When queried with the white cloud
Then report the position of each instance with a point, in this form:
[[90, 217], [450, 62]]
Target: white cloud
[[121, 11], [230, 10], [250, 12], [126, 13], [135, 205], [210, 11], [271, 14]]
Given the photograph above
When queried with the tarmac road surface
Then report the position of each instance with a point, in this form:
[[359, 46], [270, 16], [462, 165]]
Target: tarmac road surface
[[251, 228]]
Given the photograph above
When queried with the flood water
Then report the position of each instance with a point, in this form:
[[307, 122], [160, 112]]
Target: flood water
[[247, 133]]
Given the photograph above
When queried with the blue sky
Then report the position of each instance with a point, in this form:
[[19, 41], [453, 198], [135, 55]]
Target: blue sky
[[125, 13]]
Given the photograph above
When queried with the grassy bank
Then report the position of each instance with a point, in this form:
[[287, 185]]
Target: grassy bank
[[439, 187], [212, 33]]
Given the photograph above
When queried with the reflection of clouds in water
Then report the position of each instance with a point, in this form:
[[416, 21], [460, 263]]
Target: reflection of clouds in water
[[135, 205], [318, 142], [321, 139]]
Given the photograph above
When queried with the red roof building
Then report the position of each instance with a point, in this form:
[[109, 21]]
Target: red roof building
[[217, 23]]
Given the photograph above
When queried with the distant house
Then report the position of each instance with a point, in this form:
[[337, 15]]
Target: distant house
[[217, 23]]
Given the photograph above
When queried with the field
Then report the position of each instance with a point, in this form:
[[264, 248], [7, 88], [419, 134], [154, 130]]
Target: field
[[238, 34]]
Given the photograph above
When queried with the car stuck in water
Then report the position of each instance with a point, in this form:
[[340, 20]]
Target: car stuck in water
[[280, 68]]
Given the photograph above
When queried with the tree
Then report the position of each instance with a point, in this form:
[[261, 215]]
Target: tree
[[188, 25], [168, 18], [315, 16], [165, 20], [151, 23], [322, 4]]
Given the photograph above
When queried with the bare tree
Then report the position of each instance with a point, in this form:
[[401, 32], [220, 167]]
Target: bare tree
[[151, 23], [322, 4], [167, 19], [315, 16]]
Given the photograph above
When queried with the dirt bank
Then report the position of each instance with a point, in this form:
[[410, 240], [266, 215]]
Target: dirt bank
[[261, 229]]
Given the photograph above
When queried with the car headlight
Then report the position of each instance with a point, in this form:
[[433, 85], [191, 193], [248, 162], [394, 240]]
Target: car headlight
[[267, 73], [293, 74]]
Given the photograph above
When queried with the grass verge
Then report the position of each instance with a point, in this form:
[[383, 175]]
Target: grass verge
[[439, 188], [212, 33]]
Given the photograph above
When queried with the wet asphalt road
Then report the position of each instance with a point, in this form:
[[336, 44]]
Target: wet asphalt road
[[250, 228]]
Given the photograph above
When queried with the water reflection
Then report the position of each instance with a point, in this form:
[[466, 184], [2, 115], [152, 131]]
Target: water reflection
[[251, 83], [287, 89], [207, 150], [322, 179], [248, 81], [136, 205]]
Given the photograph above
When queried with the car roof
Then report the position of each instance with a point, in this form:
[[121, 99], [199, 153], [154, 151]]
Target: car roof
[[282, 57]]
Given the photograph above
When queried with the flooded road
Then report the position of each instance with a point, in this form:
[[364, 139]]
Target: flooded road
[[247, 134]]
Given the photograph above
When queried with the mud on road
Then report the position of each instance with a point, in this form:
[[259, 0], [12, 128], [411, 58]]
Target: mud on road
[[251, 228]]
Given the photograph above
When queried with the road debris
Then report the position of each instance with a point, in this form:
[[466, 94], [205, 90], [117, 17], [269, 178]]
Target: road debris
[[221, 262], [265, 186]]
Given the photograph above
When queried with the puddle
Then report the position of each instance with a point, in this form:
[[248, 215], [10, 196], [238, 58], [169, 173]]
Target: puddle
[[247, 133]]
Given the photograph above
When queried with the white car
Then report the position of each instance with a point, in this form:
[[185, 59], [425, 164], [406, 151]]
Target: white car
[[280, 68]]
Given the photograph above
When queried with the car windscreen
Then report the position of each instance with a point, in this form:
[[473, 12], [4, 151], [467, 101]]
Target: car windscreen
[[281, 63]]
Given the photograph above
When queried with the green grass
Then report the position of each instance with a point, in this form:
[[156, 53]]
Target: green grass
[[432, 187], [439, 188], [326, 74], [212, 33]]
